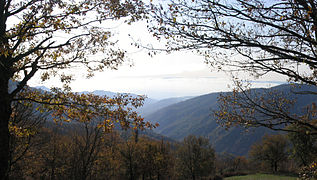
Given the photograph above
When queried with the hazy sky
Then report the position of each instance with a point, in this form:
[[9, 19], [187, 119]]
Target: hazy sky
[[163, 76]]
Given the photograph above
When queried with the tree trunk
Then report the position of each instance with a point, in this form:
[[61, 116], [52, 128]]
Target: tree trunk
[[131, 169], [5, 113], [5, 101], [275, 166]]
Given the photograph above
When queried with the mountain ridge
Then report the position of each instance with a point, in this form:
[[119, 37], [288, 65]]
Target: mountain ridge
[[194, 117]]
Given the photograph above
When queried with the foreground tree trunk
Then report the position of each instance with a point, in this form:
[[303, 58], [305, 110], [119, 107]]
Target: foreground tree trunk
[[5, 99], [5, 112]]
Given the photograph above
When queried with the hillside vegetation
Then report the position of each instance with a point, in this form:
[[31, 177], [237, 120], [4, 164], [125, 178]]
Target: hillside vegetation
[[195, 116]]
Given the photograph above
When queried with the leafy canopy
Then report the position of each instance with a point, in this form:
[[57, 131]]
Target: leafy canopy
[[50, 37]]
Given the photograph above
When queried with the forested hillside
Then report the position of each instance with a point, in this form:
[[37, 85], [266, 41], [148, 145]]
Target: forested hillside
[[150, 106], [195, 116]]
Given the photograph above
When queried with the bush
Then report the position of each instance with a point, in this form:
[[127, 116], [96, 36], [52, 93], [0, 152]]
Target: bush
[[217, 177], [309, 172]]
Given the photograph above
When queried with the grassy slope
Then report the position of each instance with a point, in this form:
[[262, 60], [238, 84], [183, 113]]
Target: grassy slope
[[261, 177]]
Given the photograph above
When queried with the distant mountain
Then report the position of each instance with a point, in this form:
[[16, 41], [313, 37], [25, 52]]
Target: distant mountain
[[150, 105], [99, 93], [42, 88], [12, 85], [194, 116], [150, 108], [147, 101]]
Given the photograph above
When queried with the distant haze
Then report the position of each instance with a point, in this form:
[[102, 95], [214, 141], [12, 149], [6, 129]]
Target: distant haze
[[176, 74]]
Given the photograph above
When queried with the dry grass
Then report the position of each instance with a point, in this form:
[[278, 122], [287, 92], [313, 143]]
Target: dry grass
[[261, 177]]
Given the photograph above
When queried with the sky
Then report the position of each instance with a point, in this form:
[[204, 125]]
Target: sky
[[162, 76]]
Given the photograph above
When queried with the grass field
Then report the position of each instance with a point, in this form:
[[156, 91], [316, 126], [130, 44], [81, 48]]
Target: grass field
[[261, 177]]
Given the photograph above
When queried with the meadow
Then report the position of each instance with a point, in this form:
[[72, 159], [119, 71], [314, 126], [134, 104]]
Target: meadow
[[261, 177]]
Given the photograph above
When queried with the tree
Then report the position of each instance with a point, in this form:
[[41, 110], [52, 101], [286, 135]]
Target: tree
[[255, 36], [24, 125], [304, 148], [268, 36], [230, 165], [109, 160], [225, 163], [50, 36], [271, 108], [130, 152], [240, 163], [87, 145], [272, 150], [156, 160], [195, 158], [49, 157]]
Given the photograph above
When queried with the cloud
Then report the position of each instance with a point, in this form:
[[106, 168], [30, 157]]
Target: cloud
[[197, 74]]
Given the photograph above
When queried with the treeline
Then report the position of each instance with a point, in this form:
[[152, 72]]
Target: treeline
[[289, 154], [82, 150], [42, 149]]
